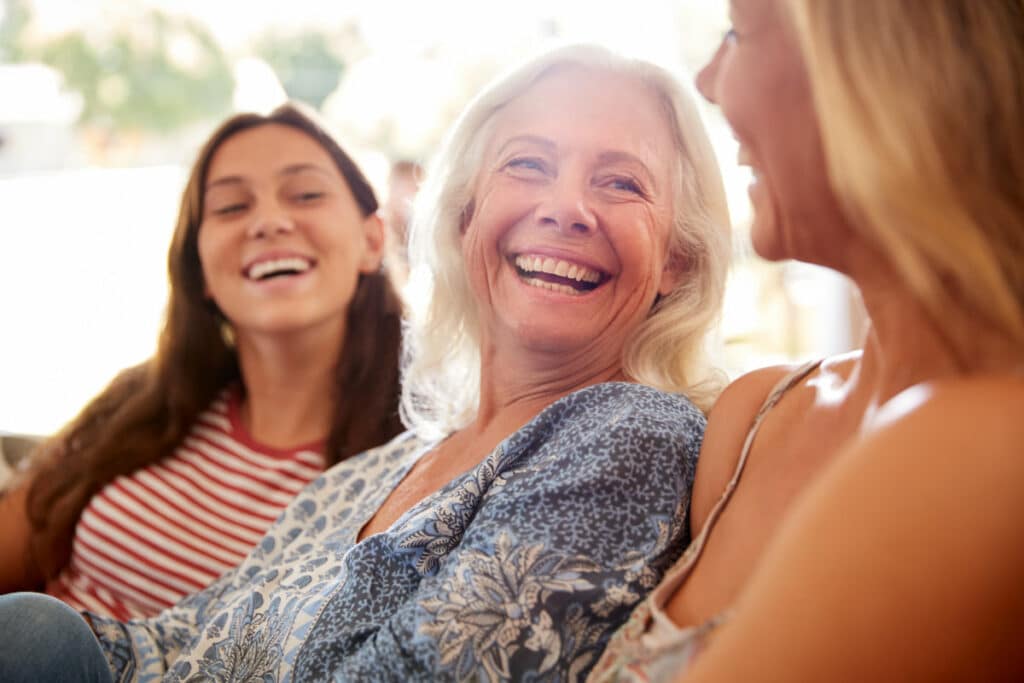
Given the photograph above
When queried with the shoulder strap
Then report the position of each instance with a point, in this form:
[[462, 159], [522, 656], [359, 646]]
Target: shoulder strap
[[783, 385]]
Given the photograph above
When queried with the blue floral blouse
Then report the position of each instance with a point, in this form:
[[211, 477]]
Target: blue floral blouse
[[520, 569]]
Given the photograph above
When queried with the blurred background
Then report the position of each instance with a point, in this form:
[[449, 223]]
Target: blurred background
[[103, 104]]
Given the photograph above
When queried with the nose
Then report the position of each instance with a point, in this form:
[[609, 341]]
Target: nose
[[565, 208], [273, 220], [708, 75]]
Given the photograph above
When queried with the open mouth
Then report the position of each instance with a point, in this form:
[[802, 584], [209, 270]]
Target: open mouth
[[743, 158], [558, 275], [274, 268]]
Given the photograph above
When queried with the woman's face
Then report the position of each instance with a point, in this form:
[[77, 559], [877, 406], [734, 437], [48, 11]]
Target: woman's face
[[282, 240], [758, 79], [566, 245]]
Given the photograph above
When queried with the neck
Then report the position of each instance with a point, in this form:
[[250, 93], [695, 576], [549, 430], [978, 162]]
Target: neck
[[289, 384], [515, 385], [904, 345]]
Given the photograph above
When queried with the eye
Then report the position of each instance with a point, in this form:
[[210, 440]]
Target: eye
[[228, 209], [625, 184], [308, 196], [526, 164]]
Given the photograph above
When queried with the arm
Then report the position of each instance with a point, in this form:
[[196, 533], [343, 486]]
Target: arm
[[18, 569], [903, 563], [562, 546], [728, 423]]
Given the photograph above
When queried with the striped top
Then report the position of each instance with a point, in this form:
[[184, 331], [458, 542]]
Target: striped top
[[149, 538]]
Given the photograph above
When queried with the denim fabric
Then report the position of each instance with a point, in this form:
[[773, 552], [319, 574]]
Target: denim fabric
[[45, 641]]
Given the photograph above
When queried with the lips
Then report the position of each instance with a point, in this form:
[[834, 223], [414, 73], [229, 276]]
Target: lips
[[744, 158], [267, 268], [557, 274]]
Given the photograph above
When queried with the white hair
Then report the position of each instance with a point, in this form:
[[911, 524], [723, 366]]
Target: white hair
[[441, 377]]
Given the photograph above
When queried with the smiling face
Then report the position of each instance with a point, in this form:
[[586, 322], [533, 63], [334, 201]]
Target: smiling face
[[282, 240], [566, 245], [757, 77]]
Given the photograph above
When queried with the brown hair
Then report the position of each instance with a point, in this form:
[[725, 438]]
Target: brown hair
[[147, 410]]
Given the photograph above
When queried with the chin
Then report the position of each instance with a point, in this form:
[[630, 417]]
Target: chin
[[766, 239], [553, 339]]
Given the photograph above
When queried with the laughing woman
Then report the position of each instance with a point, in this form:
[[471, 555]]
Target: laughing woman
[[576, 230], [862, 520], [279, 356]]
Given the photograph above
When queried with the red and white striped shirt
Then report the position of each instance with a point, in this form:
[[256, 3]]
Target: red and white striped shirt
[[163, 532]]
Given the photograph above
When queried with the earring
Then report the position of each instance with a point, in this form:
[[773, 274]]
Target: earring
[[227, 334]]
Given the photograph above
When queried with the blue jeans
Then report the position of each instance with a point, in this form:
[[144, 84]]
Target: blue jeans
[[44, 640]]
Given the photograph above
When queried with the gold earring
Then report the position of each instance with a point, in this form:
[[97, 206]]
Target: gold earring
[[227, 334]]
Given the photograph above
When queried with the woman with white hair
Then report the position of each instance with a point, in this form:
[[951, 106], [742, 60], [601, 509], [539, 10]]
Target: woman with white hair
[[576, 233]]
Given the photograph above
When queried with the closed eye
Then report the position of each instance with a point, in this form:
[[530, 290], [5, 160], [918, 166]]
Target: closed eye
[[308, 196], [228, 209]]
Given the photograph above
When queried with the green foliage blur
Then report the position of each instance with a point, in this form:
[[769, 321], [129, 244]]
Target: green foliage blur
[[307, 68], [13, 20], [163, 72], [129, 82]]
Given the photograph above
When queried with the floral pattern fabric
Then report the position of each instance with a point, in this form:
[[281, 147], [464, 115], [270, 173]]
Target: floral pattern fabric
[[519, 569], [650, 647]]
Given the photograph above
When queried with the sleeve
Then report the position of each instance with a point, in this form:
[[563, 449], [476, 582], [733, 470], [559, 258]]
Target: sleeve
[[141, 649], [580, 520]]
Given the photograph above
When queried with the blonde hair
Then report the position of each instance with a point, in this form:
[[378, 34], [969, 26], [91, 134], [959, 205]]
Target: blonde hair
[[921, 106], [441, 382]]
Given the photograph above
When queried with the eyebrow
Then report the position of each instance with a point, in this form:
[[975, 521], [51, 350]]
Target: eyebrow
[[286, 171], [528, 139]]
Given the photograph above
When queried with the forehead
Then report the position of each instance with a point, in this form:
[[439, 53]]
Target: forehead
[[267, 149], [745, 5], [757, 11], [587, 108]]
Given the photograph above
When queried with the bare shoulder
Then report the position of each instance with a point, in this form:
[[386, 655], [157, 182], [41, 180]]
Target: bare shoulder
[[911, 542], [728, 423], [982, 415], [839, 366], [948, 455]]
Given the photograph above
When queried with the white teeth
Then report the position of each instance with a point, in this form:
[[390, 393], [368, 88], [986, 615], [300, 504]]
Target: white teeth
[[263, 268], [564, 289], [573, 271]]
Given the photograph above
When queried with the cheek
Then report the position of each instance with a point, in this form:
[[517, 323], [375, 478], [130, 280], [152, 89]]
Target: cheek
[[480, 240], [472, 248], [646, 240], [214, 250], [206, 251]]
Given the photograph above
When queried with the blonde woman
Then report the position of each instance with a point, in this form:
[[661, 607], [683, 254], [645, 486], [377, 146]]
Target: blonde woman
[[874, 534]]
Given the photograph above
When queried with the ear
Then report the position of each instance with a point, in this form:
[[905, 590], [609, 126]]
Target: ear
[[373, 243], [676, 267]]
